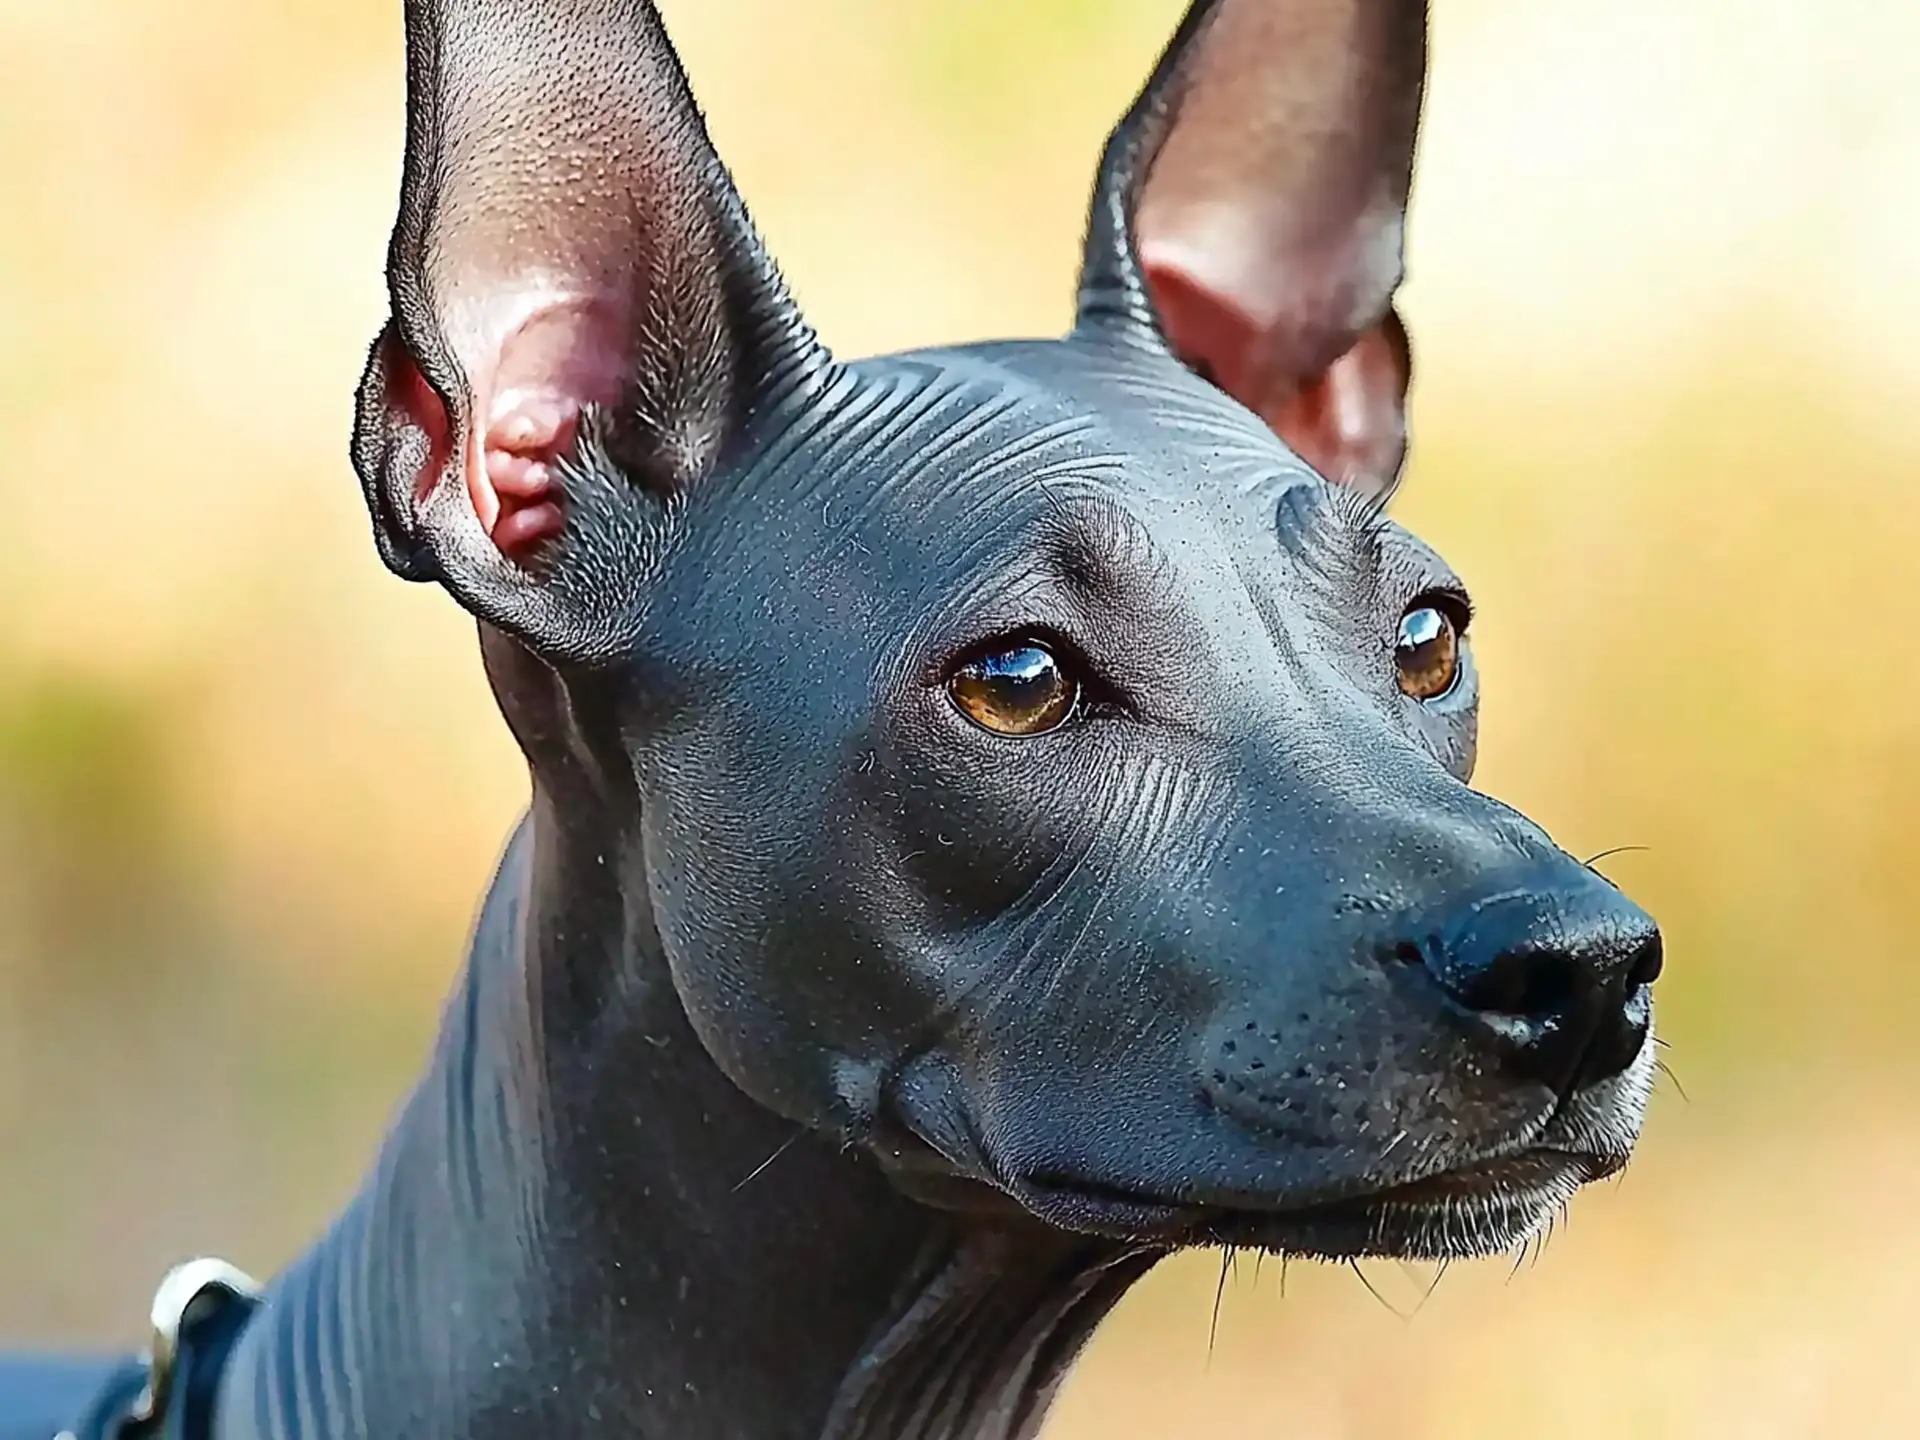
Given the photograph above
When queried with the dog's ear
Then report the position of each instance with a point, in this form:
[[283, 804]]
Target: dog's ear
[[577, 294], [1249, 211]]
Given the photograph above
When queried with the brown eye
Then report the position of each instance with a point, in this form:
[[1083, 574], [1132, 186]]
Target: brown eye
[[1022, 690], [1427, 653]]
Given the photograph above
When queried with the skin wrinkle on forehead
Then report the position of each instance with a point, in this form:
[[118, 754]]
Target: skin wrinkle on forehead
[[1064, 539]]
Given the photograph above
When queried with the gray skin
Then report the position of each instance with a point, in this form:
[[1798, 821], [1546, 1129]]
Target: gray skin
[[827, 1064]]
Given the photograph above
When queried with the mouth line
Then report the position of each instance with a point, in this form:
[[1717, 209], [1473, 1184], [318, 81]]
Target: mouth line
[[1481, 1206], [1489, 1199]]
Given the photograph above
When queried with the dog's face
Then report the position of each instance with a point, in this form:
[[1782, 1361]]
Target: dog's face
[[1051, 767]]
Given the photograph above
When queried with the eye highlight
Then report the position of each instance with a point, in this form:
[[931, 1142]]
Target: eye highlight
[[1427, 652], [1019, 689]]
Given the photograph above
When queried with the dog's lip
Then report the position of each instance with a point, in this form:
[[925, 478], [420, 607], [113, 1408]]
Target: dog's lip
[[1536, 1170], [1520, 1175], [1522, 1180]]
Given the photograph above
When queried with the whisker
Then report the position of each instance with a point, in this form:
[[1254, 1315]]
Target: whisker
[[1219, 1294], [1354, 1265], [1432, 1286], [760, 1169], [1667, 1070], [1593, 860]]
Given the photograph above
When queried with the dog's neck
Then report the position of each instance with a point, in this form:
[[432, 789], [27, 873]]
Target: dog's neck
[[579, 1226]]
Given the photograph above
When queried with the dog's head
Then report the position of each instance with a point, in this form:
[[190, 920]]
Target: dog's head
[[1043, 763]]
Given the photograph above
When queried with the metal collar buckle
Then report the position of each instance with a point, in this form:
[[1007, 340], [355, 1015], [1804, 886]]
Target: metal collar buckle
[[190, 1293]]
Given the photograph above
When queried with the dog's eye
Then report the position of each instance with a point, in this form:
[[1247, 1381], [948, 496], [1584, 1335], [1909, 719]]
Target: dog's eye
[[1021, 689], [1427, 654]]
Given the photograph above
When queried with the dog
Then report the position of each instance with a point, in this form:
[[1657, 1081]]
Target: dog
[[1000, 814]]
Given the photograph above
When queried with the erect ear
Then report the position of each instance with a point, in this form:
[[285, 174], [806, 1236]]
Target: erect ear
[[1249, 211], [582, 320]]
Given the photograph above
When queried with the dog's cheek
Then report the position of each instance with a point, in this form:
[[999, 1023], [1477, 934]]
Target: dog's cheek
[[976, 836]]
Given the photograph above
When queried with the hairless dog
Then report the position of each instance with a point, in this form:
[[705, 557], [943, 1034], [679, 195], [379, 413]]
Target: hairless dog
[[999, 815]]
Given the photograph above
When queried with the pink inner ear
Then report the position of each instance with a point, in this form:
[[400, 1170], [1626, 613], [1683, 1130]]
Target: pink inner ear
[[1344, 418], [410, 393], [534, 359], [1349, 422], [1207, 328]]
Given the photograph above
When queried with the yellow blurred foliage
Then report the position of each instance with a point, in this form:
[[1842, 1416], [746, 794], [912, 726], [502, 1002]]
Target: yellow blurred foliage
[[1665, 284]]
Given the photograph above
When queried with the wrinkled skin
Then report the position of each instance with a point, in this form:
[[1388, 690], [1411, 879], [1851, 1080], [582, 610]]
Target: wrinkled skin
[[847, 1029], [1145, 963], [1235, 937]]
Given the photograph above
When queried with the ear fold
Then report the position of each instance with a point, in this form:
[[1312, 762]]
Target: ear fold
[[574, 281], [1249, 214]]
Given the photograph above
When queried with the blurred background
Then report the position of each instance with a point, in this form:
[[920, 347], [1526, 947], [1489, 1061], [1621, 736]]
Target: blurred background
[[1665, 296]]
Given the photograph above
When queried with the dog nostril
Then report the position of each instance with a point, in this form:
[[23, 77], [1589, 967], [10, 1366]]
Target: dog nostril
[[1552, 981], [1648, 961], [1408, 952], [1525, 984]]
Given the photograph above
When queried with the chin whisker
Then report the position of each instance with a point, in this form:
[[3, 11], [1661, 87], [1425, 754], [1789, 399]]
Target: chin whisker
[[1432, 1285], [1665, 1069], [1219, 1294], [1353, 1264]]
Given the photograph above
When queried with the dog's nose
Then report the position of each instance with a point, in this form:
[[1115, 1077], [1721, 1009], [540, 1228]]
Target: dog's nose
[[1553, 981]]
